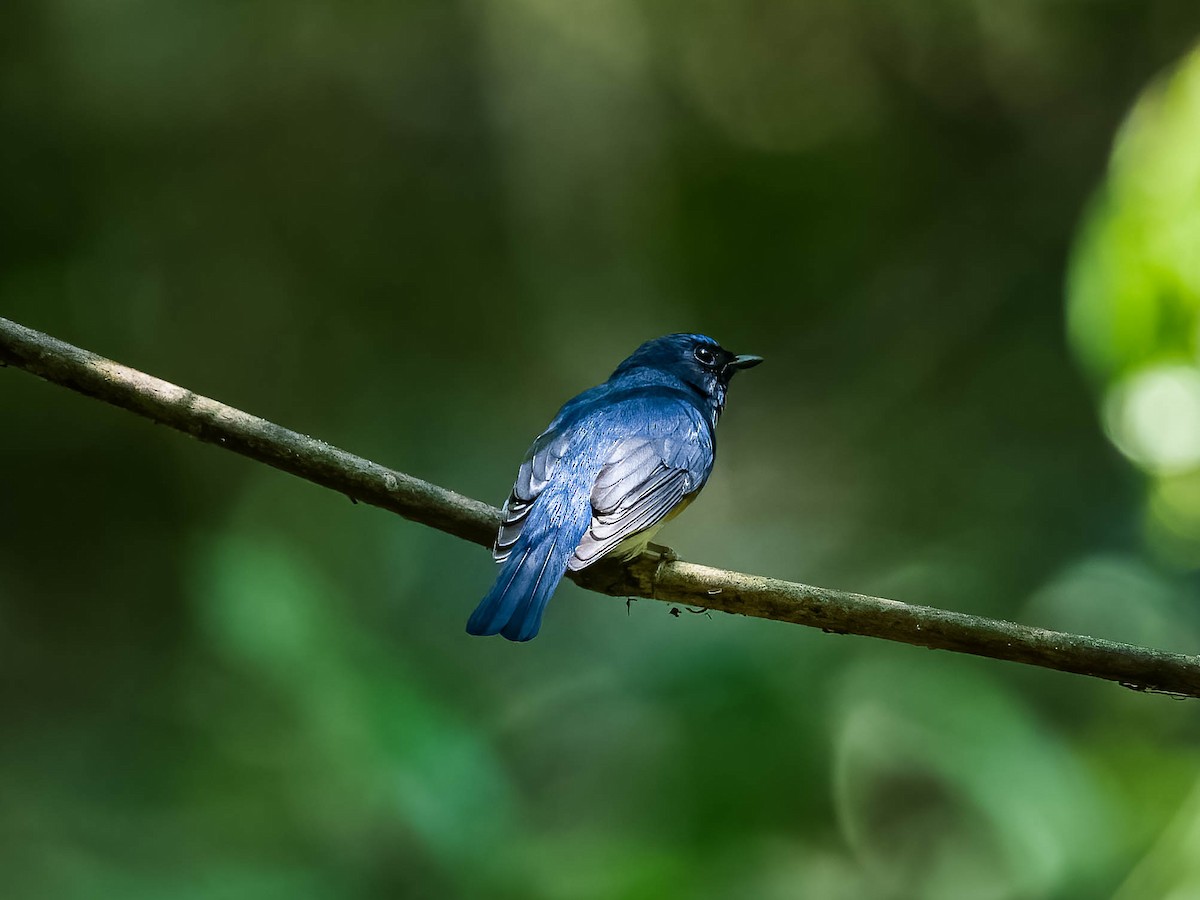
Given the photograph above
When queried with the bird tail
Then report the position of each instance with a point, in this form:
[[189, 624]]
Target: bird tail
[[514, 605]]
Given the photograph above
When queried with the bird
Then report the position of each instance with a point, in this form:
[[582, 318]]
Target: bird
[[616, 463]]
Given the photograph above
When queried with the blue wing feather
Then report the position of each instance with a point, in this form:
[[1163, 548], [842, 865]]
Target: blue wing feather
[[645, 476]]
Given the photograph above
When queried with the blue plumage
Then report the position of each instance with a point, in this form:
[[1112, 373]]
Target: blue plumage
[[616, 462]]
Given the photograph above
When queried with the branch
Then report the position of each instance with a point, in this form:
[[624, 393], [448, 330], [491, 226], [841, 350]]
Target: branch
[[840, 612]]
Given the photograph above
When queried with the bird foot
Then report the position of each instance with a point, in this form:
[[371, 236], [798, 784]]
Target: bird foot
[[664, 553]]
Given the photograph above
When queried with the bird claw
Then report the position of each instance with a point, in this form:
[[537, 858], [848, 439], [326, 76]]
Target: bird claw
[[664, 553]]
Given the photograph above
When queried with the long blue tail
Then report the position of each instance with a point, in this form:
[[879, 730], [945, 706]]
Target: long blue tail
[[514, 605], [535, 566]]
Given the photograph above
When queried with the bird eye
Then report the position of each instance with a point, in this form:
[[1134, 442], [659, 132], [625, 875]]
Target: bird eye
[[705, 355]]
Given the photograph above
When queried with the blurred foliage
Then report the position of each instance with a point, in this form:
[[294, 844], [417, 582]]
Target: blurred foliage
[[1135, 304], [414, 229]]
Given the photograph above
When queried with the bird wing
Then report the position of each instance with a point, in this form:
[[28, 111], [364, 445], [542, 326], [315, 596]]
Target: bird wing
[[645, 476], [535, 473], [538, 468]]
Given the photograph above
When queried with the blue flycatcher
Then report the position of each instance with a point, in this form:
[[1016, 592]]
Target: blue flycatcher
[[617, 462]]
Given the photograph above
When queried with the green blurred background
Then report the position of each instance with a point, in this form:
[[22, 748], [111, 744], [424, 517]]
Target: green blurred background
[[966, 236]]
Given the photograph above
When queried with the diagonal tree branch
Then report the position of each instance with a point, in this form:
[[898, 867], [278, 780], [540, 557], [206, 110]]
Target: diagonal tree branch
[[649, 576]]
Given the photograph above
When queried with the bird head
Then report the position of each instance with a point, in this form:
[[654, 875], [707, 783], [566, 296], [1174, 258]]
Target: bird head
[[695, 359]]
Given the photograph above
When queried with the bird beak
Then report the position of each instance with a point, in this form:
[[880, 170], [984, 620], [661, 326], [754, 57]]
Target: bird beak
[[745, 361]]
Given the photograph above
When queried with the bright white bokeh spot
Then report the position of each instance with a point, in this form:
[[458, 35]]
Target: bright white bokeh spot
[[1153, 417]]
